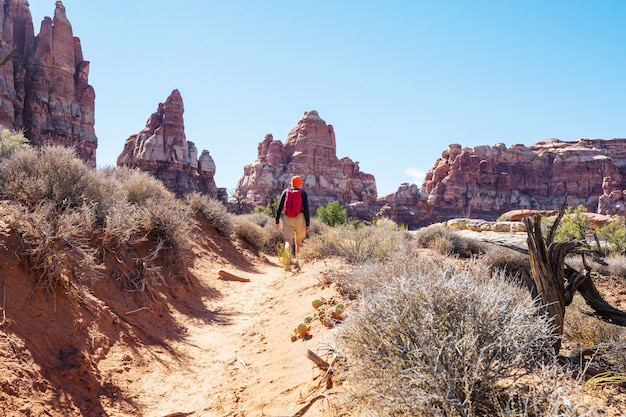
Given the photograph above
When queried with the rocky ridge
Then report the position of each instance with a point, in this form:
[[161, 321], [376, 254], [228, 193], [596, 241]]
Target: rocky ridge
[[162, 149], [485, 181], [45, 89]]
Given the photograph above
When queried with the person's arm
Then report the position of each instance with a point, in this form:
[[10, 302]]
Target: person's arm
[[305, 205], [279, 207]]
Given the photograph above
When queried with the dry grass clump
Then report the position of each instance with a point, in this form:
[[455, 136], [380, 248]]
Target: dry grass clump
[[318, 227], [139, 205], [246, 229], [69, 218], [213, 210], [51, 173], [613, 265], [447, 242], [515, 265], [357, 246], [442, 342], [273, 237], [55, 247], [586, 331]]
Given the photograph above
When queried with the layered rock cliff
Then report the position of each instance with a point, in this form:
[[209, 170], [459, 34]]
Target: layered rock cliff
[[162, 149], [486, 181], [44, 87], [309, 151]]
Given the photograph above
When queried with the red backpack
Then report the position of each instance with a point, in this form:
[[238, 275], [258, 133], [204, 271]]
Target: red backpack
[[293, 202]]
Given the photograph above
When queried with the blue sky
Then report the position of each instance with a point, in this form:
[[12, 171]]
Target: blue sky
[[398, 80]]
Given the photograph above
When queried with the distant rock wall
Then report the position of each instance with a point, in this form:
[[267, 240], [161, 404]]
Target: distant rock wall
[[485, 181], [44, 85], [162, 149], [309, 151]]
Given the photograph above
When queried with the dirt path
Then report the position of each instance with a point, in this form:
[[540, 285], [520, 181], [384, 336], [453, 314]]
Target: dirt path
[[242, 361]]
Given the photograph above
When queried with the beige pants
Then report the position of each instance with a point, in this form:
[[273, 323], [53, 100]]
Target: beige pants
[[294, 227]]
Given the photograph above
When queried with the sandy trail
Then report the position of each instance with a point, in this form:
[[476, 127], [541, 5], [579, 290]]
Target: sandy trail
[[241, 360]]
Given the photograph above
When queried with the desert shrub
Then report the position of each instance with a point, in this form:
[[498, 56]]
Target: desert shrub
[[366, 244], [213, 210], [333, 214], [616, 266], [136, 186], [318, 227], [137, 204], [612, 265], [168, 222], [447, 242], [273, 237], [614, 234], [441, 343], [54, 247], [386, 223], [49, 173], [285, 255], [261, 219], [250, 232], [11, 141], [515, 265]]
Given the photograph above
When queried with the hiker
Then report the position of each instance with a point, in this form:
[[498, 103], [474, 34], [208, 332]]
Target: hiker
[[294, 202]]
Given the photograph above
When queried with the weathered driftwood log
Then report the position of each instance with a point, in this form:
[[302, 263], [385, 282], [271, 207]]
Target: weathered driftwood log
[[556, 282]]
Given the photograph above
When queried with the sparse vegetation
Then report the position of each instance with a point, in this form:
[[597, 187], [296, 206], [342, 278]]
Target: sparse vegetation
[[426, 337], [51, 174], [69, 217], [357, 246]]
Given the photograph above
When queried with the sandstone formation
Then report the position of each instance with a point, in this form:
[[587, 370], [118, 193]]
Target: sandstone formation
[[613, 198], [309, 151], [162, 149], [44, 88], [485, 181]]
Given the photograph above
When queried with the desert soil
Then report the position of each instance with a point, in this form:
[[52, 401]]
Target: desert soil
[[192, 346], [205, 347]]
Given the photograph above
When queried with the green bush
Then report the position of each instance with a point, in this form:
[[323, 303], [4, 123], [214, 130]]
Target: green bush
[[11, 141], [572, 226], [614, 234], [270, 208], [333, 214]]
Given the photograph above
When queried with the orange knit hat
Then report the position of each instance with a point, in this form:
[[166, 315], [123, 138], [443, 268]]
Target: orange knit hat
[[296, 181]]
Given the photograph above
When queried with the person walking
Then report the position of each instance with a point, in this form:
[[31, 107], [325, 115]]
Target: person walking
[[294, 203]]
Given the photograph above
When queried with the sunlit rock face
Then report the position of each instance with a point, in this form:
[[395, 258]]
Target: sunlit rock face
[[485, 181], [309, 151], [162, 149], [44, 87]]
